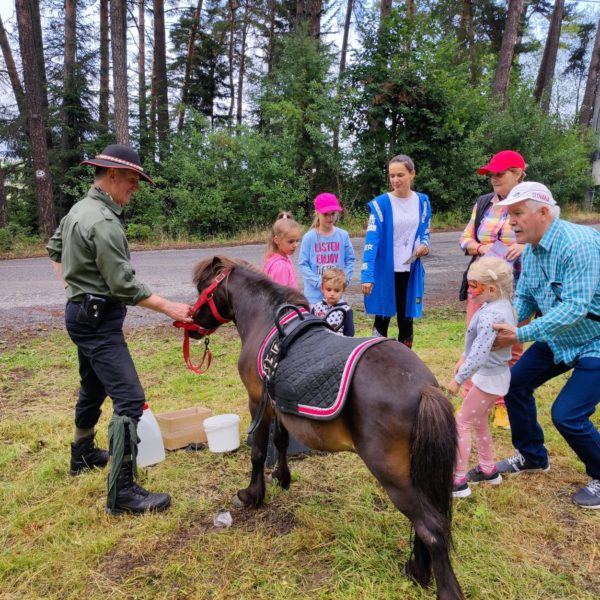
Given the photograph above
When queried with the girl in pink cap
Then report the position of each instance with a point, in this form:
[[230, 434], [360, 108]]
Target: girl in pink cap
[[324, 246]]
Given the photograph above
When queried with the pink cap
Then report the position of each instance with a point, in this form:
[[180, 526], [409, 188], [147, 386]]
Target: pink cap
[[326, 202], [504, 160]]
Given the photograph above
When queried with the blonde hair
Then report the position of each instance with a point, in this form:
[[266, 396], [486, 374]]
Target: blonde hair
[[334, 275], [282, 227], [316, 221], [490, 270]]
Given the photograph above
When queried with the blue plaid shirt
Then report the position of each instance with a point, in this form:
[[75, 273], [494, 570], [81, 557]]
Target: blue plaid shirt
[[561, 279]]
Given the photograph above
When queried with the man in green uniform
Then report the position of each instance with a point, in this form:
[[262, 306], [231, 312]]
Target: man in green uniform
[[90, 254]]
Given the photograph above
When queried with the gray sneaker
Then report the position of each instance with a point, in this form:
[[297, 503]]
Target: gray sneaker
[[588, 496], [518, 464], [476, 475]]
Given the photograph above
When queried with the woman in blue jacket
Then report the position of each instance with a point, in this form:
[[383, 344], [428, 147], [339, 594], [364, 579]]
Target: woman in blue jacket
[[392, 276]]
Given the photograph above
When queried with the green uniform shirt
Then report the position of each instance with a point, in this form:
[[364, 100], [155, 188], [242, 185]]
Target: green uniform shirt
[[91, 246]]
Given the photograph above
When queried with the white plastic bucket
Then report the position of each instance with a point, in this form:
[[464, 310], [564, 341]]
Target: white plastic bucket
[[151, 449], [223, 432]]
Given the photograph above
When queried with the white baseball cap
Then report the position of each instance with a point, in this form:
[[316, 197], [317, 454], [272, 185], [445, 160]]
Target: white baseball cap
[[529, 190]]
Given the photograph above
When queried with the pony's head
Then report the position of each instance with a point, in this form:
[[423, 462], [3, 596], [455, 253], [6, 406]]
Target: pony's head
[[211, 309], [240, 283]]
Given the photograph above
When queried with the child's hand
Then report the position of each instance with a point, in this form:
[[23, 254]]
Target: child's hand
[[453, 386], [458, 364]]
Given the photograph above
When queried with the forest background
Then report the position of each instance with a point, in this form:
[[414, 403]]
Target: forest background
[[242, 108]]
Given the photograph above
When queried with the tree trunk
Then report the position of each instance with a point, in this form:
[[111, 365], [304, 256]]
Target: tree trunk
[[543, 84], [143, 120], [162, 93], [591, 86], [300, 13], [104, 68], [410, 8], [3, 203], [473, 60], [13, 74], [385, 9], [188, 64], [242, 71], [507, 49], [39, 51], [314, 9], [271, 41], [233, 6], [343, 53], [69, 92], [118, 39], [33, 81]]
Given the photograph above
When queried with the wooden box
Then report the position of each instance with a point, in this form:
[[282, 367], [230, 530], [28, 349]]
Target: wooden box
[[182, 427]]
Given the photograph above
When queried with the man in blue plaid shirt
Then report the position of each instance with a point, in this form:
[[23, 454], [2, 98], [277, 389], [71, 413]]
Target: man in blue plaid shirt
[[560, 281]]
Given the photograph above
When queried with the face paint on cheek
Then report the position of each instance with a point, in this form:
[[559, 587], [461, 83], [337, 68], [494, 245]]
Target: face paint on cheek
[[475, 289]]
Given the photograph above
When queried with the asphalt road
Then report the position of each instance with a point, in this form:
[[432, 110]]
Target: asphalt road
[[31, 297]]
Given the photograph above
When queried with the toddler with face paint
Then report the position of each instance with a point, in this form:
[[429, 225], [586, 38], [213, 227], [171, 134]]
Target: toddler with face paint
[[490, 285]]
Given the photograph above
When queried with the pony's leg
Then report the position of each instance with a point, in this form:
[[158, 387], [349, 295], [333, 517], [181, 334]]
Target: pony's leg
[[281, 441], [431, 543], [254, 494]]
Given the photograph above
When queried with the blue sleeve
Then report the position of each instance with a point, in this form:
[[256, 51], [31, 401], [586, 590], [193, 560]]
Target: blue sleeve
[[372, 238], [581, 278], [349, 258], [349, 324], [424, 233], [306, 268]]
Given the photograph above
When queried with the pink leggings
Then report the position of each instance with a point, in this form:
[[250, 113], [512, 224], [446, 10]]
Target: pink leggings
[[473, 414]]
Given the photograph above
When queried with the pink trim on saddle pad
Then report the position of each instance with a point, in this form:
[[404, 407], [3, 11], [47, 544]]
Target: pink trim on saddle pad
[[286, 319], [349, 367]]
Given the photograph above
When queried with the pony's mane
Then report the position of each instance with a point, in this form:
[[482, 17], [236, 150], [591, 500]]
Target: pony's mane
[[277, 294]]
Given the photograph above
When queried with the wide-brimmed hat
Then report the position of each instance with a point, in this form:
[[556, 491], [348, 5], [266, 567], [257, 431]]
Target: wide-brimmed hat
[[502, 161], [327, 202], [529, 190], [119, 156]]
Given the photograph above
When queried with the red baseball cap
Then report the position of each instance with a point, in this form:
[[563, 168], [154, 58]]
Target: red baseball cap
[[504, 160]]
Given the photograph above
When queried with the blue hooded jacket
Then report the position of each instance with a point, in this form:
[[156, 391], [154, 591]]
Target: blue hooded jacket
[[378, 259]]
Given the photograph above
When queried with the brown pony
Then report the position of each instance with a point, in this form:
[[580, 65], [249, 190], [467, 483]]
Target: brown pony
[[395, 417]]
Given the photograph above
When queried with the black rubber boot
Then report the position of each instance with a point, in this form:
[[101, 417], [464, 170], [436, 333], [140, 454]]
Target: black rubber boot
[[85, 455], [132, 498]]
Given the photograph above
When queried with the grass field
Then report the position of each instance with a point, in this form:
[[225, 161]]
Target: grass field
[[333, 535]]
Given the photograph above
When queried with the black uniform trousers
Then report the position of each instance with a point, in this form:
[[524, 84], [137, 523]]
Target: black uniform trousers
[[105, 366]]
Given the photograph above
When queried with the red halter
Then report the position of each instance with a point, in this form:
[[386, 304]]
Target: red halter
[[205, 298]]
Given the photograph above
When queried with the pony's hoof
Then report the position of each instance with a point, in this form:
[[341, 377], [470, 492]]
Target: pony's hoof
[[237, 502]]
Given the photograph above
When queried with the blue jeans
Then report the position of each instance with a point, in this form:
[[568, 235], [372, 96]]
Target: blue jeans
[[105, 367], [571, 410]]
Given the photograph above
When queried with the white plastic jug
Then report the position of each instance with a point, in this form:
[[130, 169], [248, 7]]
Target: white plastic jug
[[151, 449]]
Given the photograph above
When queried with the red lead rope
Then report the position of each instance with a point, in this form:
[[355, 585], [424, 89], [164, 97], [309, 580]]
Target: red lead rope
[[205, 298]]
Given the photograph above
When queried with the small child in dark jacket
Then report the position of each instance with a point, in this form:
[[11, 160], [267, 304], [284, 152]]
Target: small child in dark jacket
[[335, 311]]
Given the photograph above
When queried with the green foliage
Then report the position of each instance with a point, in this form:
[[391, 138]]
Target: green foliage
[[139, 232], [557, 152], [412, 98], [12, 235], [298, 101], [222, 180]]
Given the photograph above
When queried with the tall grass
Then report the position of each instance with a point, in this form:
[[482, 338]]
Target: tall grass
[[333, 535]]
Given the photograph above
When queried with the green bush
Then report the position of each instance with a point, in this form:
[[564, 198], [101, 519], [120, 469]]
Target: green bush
[[139, 232]]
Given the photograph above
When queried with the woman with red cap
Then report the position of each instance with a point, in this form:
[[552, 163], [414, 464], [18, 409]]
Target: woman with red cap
[[488, 233]]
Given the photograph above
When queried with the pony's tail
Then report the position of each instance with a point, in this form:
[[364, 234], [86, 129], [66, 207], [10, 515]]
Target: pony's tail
[[433, 454]]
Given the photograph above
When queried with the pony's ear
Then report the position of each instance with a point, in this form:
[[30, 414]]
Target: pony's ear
[[216, 261]]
